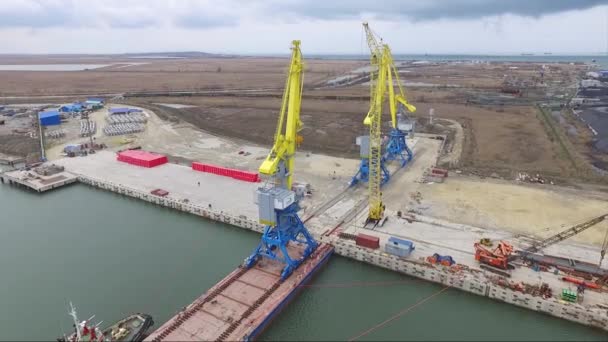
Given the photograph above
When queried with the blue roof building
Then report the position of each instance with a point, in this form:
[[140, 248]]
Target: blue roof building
[[113, 111], [49, 118], [124, 110], [72, 107], [94, 100]]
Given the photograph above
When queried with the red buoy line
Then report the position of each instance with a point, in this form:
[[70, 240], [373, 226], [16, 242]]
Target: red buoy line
[[399, 314]]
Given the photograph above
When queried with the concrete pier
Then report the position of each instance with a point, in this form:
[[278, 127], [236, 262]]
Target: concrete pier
[[36, 182]]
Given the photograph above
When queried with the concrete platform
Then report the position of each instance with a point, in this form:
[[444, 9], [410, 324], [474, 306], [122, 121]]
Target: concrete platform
[[434, 236], [240, 306], [37, 182], [182, 183]]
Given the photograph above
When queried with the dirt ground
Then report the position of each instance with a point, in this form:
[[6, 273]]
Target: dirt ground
[[540, 210], [503, 134], [164, 75], [503, 140]]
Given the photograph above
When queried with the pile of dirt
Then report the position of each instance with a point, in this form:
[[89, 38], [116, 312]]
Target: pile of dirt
[[18, 145]]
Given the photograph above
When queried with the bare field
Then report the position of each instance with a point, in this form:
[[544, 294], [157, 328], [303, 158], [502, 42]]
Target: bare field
[[511, 138], [165, 75], [503, 134]]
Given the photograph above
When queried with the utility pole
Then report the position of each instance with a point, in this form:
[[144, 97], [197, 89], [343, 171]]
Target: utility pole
[[85, 116], [41, 135]]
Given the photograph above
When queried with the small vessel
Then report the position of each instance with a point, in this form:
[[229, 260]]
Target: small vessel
[[131, 328]]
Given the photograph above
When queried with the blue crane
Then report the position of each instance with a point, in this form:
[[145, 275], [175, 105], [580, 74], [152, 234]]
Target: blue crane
[[277, 203]]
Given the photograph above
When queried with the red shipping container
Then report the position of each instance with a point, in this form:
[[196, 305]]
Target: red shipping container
[[141, 158], [226, 172], [368, 241], [440, 172]]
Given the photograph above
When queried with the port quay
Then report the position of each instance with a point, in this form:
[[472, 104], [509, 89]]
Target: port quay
[[242, 304]]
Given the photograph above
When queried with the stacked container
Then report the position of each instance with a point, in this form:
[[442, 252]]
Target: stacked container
[[368, 241], [226, 172], [141, 158]]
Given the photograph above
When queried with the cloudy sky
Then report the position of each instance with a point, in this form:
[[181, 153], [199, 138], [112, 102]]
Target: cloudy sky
[[324, 26]]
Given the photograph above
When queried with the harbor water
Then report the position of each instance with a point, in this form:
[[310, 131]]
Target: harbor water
[[112, 255]]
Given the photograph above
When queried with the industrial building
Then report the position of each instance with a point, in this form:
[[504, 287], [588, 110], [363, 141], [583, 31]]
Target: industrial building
[[75, 107], [49, 118], [123, 110]]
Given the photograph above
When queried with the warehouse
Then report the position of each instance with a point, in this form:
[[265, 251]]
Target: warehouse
[[75, 107], [49, 118]]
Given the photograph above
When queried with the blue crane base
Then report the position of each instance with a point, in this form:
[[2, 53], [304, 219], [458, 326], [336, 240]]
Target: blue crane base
[[397, 149], [275, 239], [362, 175]]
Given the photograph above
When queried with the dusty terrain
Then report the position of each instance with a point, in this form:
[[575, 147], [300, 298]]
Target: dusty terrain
[[127, 75], [503, 134]]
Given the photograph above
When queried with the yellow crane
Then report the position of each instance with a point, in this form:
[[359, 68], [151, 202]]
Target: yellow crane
[[280, 161], [383, 73], [396, 147], [277, 203]]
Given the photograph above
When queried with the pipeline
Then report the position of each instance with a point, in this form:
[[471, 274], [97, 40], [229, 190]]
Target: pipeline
[[581, 282]]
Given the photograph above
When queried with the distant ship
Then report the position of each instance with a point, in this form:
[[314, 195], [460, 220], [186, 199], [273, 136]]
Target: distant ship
[[527, 54], [548, 53], [131, 328]]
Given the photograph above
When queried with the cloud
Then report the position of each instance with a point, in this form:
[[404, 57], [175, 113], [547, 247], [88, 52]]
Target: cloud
[[114, 13], [420, 10]]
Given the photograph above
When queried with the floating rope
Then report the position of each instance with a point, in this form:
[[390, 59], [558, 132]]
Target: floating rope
[[399, 314], [357, 284]]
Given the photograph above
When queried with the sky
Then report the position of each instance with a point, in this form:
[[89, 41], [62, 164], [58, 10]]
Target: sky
[[323, 26]]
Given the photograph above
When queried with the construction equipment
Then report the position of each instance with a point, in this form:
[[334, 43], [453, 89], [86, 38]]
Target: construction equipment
[[444, 260], [382, 73], [563, 235], [277, 203], [396, 147], [499, 257], [486, 242]]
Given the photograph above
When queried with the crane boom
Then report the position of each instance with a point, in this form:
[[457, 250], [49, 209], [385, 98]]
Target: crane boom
[[377, 51], [284, 146], [563, 235], [374, 120], [277, 204]]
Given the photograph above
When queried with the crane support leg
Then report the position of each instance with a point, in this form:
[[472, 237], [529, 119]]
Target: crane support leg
[[362, 175], [397, 149], [289, 228]]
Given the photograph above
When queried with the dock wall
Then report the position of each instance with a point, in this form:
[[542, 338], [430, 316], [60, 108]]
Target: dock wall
[[469, 282], [473, 284], [216, 215]]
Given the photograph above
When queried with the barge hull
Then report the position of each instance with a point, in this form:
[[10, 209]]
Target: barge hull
[[242, 305]]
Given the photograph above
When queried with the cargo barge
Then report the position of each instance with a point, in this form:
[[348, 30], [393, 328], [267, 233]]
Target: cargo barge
[[242, 305]]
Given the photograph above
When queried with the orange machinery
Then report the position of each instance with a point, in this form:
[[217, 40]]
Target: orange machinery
[[499, 257]]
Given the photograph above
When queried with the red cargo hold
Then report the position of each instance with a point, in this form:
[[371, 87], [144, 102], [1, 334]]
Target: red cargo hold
[[226, 172], [368, 241], [141, 158]]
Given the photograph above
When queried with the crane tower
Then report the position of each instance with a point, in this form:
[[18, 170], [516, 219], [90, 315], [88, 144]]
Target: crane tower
[[277, 203]]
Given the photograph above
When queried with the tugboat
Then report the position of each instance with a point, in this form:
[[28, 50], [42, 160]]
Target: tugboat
[[131, 328]]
